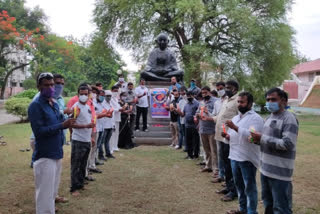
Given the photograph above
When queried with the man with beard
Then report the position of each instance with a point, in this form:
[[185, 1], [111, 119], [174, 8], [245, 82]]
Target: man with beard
[[244, 154]]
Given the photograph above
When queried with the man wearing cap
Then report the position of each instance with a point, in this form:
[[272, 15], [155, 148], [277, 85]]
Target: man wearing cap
[[122, 83], [194, 89], [47, 124]]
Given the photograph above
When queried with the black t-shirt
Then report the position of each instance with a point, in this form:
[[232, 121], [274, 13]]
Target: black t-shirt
[[174, 115]]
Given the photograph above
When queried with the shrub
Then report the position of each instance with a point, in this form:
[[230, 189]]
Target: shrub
[[30, 93], [29, 83], [18, 106]]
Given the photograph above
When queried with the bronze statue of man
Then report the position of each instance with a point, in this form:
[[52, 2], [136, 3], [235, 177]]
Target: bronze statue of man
[[162, 64]]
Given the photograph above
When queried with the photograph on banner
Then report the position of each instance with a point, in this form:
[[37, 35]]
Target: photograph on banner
[[158, 99]]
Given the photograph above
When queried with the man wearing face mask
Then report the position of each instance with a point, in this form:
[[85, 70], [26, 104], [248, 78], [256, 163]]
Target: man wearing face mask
[[278, 151], [192, 135], [228, 110], [108, 125], [244, 154], [116, 118], [81, 140], [142, 106], [122, 84], [47, 124], [131, 99], [207, 131], [181, 120], [219, 139], [194, 89], [172, 107]]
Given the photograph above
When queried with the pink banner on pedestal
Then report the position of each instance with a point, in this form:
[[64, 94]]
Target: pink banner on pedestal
[[158, 99]]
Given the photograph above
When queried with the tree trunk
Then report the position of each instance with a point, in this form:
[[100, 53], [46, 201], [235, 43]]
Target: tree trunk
[[4, 83]]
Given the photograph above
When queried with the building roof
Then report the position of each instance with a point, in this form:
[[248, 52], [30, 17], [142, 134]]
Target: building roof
[[307, 67]]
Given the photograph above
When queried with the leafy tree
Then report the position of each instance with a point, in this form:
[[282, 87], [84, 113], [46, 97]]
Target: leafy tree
[[100, 62], [16, 36], [250, 40]]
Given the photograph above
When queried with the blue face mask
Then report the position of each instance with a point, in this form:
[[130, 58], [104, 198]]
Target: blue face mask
[[192, 84], [101, 99], [272, 106], [58, 88]]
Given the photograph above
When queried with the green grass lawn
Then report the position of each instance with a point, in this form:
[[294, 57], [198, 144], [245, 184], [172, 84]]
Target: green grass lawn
[[147, 179]]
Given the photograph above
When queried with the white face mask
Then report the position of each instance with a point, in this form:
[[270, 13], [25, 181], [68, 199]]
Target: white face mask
[[114, 94], [94, 96], [121, 79], [83, 98], [221, 93]]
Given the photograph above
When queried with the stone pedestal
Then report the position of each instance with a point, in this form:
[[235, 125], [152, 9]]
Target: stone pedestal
[[159, 130]]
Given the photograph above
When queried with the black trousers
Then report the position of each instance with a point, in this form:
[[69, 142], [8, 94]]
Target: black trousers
[[132, 121], [192, 140], [227, 168], [144, 112], [79, 157]]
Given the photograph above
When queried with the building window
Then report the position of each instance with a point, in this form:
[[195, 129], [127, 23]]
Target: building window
[[318, 73], [311, 76], [21, 84], [13, 84]]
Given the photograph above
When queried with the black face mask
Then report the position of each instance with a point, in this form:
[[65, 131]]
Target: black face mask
[[229, 93], [207, 97], [243, 110], [190, 99], [176, 98], [130, 91]]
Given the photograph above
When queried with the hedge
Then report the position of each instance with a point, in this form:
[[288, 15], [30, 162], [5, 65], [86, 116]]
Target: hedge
[[18, 106]]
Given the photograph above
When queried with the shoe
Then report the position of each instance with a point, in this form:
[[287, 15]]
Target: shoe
[[171, 145], [223, 191], [102, 158], [235, 212], [100, 163], [229, 197], [95, 170], [177, 147], [201, 164], [206, 170], [187, 157], [110, 156], [116, 150], [59, 199], [89, 178], [217, 180], [137, 130], [146, 130]]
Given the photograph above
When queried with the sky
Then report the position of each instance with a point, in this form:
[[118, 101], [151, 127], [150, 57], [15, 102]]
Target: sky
[[74, 17]]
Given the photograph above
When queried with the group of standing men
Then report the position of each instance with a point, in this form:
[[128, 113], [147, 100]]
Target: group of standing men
[[237, 141], [100, 122]]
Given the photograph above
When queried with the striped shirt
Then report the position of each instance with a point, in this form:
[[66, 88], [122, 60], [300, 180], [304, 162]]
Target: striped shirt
[[278, 146]]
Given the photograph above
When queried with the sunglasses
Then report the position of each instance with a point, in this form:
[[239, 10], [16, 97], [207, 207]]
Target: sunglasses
[[44, 75]]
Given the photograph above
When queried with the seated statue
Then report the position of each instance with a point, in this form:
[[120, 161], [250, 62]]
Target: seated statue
[[162, 64]]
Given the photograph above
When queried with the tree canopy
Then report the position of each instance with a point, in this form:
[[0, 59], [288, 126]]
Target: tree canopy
[[250, 40]]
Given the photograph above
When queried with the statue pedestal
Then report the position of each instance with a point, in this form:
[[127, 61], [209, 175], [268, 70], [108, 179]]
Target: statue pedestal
[[159, 130]]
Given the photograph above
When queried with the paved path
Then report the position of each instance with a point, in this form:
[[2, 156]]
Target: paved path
[[7, 118]]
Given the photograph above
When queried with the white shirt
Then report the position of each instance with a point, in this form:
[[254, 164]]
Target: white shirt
[[85, 117], [108, 122], [116, 107], [98, 108], [143, 101], [240, 147]]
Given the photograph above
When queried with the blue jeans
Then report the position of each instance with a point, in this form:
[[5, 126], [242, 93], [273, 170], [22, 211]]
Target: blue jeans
[[220, 160], [244, 176], [103, 141], [276, 195], [182, 135]]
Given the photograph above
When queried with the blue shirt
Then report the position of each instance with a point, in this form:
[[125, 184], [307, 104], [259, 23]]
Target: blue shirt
[[177, 85], [190, 110], [46, 123]]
